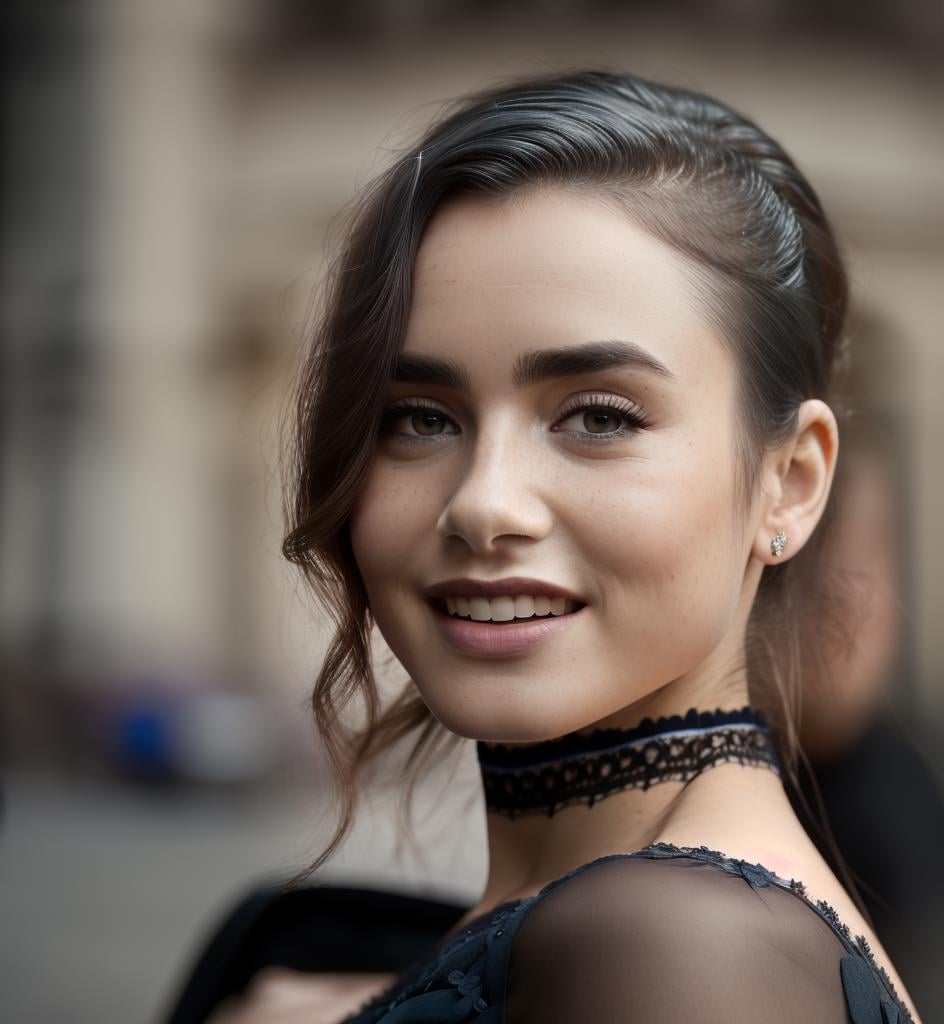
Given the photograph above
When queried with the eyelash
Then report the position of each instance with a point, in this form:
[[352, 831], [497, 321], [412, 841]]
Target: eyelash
[[632, 414]]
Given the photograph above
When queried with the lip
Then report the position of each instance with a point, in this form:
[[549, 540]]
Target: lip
[[464, 586], [487, 638]]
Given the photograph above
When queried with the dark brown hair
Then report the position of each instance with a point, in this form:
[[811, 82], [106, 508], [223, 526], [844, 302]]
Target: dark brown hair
[[691, 171]]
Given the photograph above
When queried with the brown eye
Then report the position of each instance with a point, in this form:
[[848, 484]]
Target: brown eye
[[415, 422], [427, 424], [601, 422], [604, 418]]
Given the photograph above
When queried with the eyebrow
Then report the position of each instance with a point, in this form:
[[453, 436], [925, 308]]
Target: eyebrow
[[533, 367]]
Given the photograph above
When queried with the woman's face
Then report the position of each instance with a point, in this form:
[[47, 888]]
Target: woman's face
[[616, 483]]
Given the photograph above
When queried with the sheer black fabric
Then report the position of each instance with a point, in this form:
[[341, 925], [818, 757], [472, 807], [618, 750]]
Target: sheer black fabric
[[503, 964], [673, 941], [664, 934]]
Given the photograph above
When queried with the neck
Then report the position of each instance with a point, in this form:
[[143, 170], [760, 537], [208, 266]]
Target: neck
[[723, 772]]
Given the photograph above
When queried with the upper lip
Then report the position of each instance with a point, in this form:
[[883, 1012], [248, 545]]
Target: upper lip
[[464, 586]]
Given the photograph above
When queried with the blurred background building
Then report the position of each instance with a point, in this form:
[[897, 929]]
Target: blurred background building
[[172, 171]]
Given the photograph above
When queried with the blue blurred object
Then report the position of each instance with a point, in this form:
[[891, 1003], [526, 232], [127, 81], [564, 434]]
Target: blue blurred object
[[203, 736], [140, 740]]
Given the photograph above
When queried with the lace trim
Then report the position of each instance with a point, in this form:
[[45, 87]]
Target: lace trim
[[758, 875], [587, 767], [452, 958]]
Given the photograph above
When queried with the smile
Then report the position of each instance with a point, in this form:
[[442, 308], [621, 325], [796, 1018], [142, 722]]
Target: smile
[[519, 608], [503, 636]]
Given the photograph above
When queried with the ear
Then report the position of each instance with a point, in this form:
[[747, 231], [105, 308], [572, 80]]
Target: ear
[[797, 478]]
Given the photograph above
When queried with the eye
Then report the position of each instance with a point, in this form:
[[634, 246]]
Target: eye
[[604, 418], [420, 415], [426, 422]]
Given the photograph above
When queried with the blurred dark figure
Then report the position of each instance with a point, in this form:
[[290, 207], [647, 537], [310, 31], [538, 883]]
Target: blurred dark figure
[[869, 766]]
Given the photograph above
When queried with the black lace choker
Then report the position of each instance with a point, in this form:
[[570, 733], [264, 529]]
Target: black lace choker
[[586, 767]]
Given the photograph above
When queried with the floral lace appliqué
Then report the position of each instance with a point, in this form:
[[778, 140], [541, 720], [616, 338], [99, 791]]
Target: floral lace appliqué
[[452, 985], [858, 967]]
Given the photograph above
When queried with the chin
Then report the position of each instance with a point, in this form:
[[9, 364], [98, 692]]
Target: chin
[[507, 724]]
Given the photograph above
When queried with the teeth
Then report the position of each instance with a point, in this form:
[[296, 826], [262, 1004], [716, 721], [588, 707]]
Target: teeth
[[481, 609], [504, 609]]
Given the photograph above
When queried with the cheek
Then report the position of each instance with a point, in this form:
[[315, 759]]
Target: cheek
[[373, 552], [660, 534], [390, 517]]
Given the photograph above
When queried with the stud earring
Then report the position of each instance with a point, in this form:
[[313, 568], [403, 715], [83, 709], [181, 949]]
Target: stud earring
[[778, 543]]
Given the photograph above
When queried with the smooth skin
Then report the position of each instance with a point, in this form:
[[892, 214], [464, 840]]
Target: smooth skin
[[646, 525]]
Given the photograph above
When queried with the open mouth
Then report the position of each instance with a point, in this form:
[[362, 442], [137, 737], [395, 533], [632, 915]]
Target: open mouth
[[440, 606]]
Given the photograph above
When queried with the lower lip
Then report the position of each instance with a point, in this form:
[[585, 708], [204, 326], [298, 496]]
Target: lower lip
[[488, 638]]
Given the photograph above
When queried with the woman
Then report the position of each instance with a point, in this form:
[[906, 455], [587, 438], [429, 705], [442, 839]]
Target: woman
[[565, 438]]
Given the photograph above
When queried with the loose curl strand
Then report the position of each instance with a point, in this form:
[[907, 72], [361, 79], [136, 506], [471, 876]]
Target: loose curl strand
[[765, 267]]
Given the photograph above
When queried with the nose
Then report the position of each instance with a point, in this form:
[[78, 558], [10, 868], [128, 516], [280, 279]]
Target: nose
[[499, 491]]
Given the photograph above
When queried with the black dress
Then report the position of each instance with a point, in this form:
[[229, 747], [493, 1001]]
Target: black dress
[[668, 934], [664, 934]]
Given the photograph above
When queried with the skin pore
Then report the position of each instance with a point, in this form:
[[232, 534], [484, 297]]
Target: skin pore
[[499, 478], [513, 482], [644, 526], [509, 476]]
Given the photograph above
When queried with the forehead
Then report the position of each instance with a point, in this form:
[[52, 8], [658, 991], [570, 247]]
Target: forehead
[[553, 268]]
